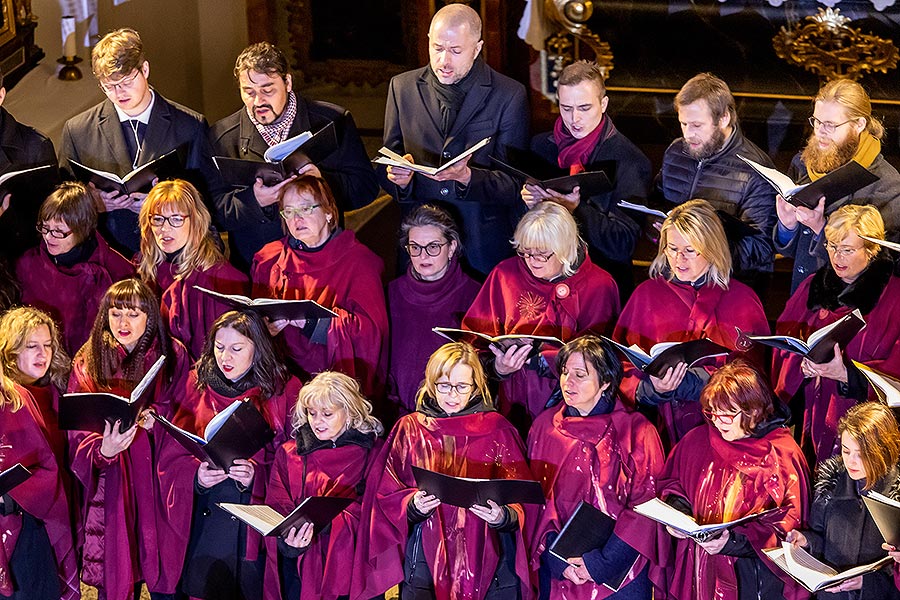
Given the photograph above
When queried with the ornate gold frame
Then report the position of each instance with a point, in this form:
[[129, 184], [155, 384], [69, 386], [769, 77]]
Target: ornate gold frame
[[8, 27]]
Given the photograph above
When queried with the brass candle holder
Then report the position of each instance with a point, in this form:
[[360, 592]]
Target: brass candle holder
[[69, 72]]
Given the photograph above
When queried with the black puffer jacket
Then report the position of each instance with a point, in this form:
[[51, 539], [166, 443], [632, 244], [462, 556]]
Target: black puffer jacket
[[731, 186], [843, 534]]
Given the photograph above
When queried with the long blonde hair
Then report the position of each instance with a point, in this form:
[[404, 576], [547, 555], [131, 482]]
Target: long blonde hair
[[200, 252], [15, 325], [9, 395], [338, 391]]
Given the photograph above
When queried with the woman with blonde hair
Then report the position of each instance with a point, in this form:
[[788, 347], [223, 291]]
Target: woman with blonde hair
[[34, 516], [411, 538], [335, 442], [841, 531], [859, 276], [690, 295], [179, 254], [33, 357], [553, 289]]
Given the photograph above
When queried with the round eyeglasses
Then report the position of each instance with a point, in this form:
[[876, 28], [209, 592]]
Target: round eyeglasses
[[431, 249]]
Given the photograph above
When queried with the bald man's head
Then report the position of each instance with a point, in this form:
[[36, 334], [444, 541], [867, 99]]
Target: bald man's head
[[454, 41]]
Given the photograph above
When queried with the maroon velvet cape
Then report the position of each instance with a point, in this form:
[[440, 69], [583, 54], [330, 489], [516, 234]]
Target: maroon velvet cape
[[876, 346], [344, 276], [46, 399], [190, 313], [664, 311], [513, 300], [323, 567], [462, 551], [415, 307], [176, 469], [43, 495], [610, 461], [725, 481], [121, 494], [71, 295]]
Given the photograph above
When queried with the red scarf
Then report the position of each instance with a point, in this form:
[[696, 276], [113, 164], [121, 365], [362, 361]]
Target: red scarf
[[573, 152]]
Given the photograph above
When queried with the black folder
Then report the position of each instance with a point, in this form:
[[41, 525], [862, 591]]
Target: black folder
[[593, 183], [465, 492], [167, 166], [273, 308], [12, 477], [691, 352], [819, 346], [318, 510], [587, 529], [886, 514]]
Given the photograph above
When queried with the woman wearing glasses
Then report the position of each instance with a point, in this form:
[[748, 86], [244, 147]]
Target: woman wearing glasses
[[592, 449], [741, 462], [552, 288], [178, 253], [690, 295], [68, 273], [841, 531], [411, 538], [317, 260], [434, 292], [858, 276]]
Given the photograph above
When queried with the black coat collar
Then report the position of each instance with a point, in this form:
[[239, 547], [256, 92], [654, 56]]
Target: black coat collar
[[308, 442], [826, 290]]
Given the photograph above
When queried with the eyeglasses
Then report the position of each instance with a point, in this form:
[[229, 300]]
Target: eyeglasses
[[123, 84], [827, 126], [294, 212], [841, 250], [55, 233], [431, 249], [723, 418], [541, 258], [461, 389], [687, 253], [175, 221]]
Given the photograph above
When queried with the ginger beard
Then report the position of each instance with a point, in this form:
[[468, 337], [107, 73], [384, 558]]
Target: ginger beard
[[826, 160]]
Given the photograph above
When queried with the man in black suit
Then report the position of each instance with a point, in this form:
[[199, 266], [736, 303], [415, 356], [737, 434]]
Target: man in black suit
[[132, 127], [22, 147], [436, 112], [272, 113]]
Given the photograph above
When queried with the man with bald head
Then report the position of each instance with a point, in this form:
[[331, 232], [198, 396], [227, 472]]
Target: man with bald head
[[436, 112]]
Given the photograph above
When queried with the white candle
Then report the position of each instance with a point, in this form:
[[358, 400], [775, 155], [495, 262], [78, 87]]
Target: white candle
[[68, 37]]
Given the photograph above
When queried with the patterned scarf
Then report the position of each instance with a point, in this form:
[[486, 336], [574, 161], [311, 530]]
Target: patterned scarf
[[278, 130]]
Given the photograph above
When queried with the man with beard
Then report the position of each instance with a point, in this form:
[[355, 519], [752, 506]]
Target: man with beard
[[435, 113], [273, 112], [705, 164], [843, 130]]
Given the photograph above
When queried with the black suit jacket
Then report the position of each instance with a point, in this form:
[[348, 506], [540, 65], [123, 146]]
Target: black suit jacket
[[489, 207], [347, 170], [22, 147], [94, 138]]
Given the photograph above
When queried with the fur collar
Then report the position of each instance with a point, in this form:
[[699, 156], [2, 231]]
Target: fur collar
[[826, 290], [307, 441], [830, 472]]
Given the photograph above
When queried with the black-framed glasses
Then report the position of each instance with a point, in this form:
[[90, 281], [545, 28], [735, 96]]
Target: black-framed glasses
[[293, 212], [827, 126], [723, 418], [54, 233], [125, 83], [431, 249], [461, 389], [541, 258], [175, 221]]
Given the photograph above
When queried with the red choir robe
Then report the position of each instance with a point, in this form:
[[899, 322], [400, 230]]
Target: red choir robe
[[189, 312], [461, 550], [875, 346], [71, 295], [666, 311], [723, 481], [415, 307], [42, 496], [344, 276], [512, 300], [121, 494], [176, 469], [340, 470], [611, 461], [46, 399]]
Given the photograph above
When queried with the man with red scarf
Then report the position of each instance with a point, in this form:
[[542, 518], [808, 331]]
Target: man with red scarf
[[704, 164], [584, 138]]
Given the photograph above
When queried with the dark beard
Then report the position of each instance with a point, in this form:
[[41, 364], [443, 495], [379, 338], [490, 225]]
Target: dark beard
[[826, 161], [714, 144]]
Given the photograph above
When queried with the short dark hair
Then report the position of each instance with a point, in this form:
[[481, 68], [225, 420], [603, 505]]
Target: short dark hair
[[71, 203], [430, 215], [318, 189], [707, 86], [738, 384], [262, 58], [582, 70], [599, 353]]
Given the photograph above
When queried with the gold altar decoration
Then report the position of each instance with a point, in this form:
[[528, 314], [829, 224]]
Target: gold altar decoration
[[826, 45], [562, 48]]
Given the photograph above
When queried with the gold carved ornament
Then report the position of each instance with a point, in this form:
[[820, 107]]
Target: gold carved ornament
[[562, 48], [826, 45]]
